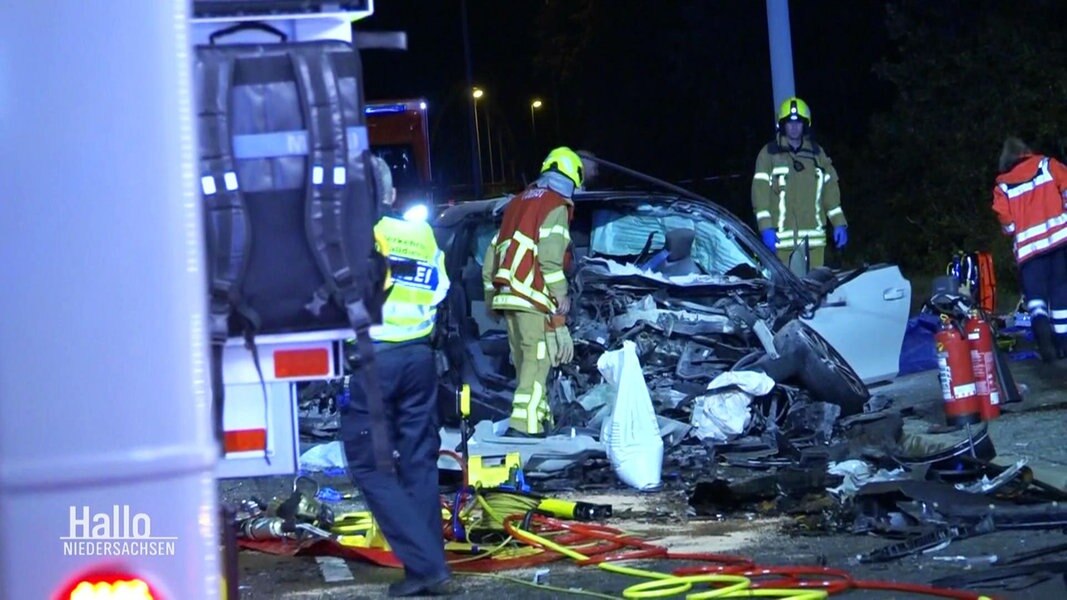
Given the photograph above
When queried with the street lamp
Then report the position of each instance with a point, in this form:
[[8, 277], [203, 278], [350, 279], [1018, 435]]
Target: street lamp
[[477, 93], [533, 122]]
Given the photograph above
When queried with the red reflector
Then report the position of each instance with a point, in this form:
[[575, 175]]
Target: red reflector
[[245, 440], [301, 363]]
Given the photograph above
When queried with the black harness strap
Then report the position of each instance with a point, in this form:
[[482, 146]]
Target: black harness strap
[[326, 227], [227, 226], [229, 234]]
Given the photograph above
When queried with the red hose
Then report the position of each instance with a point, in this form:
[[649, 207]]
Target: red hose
[[916, 588], [613, 545]]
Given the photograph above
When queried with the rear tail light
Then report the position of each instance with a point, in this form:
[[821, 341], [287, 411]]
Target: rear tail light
[[108, 587]]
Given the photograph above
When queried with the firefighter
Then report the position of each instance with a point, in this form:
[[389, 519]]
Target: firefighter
[[1029, 199], [406, 504], [795, 190], [524, 280]]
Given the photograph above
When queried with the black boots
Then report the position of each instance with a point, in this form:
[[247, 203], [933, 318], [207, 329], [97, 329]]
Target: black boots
[[1046, 346], [437, 586]]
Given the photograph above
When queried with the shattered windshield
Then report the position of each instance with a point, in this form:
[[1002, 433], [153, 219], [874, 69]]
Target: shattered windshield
[[623, 234]]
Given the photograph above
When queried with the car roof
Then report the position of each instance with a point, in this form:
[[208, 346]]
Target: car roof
[[461, 211]]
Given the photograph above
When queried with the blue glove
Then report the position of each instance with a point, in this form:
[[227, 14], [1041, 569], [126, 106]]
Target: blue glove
[[841, 235], [770, 239]]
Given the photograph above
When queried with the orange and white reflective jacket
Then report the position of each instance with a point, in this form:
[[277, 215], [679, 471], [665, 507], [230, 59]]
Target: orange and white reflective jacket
[[525, 260], [1029, 201]]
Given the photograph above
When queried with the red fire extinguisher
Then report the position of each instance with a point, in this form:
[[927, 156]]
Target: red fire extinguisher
[[958, 388], [980, 341]]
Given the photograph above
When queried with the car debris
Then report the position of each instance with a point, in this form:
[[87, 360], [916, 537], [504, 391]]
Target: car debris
[[755, 412], [723, 413]]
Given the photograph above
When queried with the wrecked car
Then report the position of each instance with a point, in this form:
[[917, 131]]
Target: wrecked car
[[697, 292]]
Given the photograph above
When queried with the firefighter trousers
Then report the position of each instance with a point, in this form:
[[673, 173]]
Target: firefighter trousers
[[406, 504], [529, 354], [1044, 279], [816, 253]]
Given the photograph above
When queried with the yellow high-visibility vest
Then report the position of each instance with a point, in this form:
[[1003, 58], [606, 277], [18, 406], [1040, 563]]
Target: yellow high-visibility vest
[[419, 280]]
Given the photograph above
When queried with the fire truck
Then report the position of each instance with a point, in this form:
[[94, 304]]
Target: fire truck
[[399, 134], [108, 458]]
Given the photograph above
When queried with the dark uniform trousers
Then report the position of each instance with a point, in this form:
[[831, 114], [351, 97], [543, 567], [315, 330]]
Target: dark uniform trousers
[[1045, 284], [407, 503]]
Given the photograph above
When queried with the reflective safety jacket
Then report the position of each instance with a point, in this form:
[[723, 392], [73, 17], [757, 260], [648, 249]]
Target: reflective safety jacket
[[523, 268], [1029, 201], [420, 283], [795, 193]]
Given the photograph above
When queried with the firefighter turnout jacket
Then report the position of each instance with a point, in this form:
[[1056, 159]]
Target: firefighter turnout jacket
[[1029, 201], [523, 267], [420, 283], [795, 193]]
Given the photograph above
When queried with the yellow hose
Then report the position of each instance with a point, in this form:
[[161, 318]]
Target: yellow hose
[[663, 585], [498, 506]]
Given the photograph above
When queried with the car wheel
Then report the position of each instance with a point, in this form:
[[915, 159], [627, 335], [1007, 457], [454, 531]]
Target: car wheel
[[826, 374]]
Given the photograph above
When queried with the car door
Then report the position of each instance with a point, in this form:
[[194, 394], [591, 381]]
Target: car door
[[865, 320]]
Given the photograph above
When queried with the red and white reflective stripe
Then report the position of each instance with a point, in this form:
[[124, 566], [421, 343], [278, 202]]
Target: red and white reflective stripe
[[245, 440], [286, 360], [1044, 175], [1050, 234]]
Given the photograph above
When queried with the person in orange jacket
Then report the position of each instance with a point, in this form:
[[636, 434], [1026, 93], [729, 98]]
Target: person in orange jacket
[[1030, 200]]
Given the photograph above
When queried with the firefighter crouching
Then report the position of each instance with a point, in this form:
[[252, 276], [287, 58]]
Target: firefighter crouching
[[1029, 199], [795, 189], [405, 503], [523, 277]]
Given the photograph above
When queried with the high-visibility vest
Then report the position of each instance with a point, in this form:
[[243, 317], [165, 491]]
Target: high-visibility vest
[[1029, 202], [420, 283], [518, 280]]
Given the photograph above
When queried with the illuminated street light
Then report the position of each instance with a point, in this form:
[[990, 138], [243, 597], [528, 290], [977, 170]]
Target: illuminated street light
[[476, 94], [533, 121], [422, 106]]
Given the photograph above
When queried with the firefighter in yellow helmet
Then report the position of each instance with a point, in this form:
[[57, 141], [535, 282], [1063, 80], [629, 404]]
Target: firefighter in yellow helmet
[[523, 277], [795, 189]]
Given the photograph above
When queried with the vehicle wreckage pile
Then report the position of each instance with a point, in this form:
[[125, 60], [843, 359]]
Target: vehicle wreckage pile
[[810, 441], [689, 333]]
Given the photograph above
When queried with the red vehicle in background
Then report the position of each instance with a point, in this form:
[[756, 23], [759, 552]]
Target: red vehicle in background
[[399, 134]]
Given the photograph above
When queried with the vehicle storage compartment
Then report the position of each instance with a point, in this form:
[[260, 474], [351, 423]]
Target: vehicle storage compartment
[[290, 207]]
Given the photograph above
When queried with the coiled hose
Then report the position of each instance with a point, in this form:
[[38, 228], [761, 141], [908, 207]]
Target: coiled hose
[[588, 544]]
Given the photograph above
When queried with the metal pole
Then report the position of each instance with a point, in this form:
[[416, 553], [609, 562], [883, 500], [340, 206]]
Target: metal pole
[[533, 123], [781, 43], [500, 154], [489, 140], [472, 120], [478, 142]]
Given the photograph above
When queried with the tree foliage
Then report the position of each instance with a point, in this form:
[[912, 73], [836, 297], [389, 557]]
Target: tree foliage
[[966, 74]]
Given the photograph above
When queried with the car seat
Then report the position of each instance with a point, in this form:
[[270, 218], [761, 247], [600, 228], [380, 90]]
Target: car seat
[[676, 258]]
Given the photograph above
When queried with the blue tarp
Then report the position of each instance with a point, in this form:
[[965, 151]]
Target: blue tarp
[[918, 352]]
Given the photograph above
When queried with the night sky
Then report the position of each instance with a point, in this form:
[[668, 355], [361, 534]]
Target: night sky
[[682, 92]]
